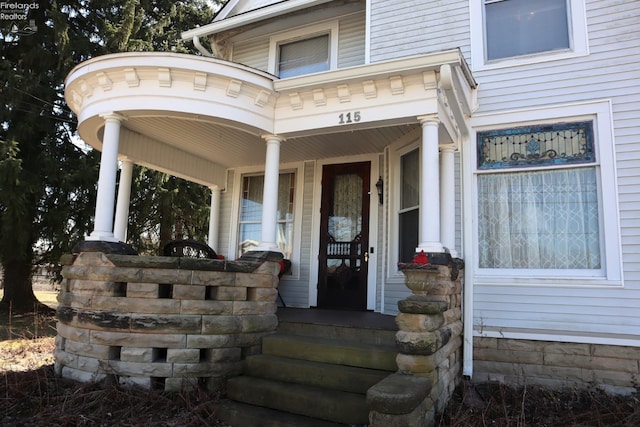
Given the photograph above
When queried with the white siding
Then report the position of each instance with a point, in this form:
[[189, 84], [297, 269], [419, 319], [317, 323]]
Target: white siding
[[295, 292], [611, 71], [254, 52], [226, 211], [405, 28], [351, 40], [380, 253]]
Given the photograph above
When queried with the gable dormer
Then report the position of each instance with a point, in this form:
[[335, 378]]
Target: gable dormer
[[287, 38]]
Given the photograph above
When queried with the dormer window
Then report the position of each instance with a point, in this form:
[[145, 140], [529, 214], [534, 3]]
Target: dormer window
[[304, 51], [304, 56]]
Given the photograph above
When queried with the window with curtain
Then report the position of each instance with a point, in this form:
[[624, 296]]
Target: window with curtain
[[304, 57], [538, 204], [250, 231], [522, 27], [408, 216]]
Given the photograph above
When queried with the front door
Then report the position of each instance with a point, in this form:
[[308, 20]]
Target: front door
[[344, 236]]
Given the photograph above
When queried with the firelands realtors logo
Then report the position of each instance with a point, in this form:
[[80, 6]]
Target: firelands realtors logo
[[16, 15]]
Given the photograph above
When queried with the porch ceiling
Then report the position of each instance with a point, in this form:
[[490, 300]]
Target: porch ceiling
[[230, 147]]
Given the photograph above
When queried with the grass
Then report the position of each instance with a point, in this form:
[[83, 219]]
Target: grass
[[30, 325]]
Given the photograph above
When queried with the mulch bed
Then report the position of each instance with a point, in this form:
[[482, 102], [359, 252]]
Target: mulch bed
[[500, 405], [39, 398]]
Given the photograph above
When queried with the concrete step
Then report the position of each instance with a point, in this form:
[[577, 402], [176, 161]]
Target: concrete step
[[369, 335], [314, 402], [333, 351], [325, 375], [314, 372], [237, 414]]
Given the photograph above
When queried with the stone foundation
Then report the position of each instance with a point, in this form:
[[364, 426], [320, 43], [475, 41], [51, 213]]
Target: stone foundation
[[162, 323], [615, 369], [430, 349]]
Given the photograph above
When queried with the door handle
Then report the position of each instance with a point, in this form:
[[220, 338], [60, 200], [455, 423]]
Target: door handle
[[366, 257]]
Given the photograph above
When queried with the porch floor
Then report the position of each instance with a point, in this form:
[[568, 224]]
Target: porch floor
[[356, 319]]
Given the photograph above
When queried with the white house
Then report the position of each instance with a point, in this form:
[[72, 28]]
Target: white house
[[504, 132]]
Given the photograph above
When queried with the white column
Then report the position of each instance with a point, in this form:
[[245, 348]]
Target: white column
[[214, 218], [124, 198], [103, 226], [448, 199], [430, 188], [270, 195]]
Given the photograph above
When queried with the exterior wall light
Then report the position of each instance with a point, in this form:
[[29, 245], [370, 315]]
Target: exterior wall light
[[380, 189]]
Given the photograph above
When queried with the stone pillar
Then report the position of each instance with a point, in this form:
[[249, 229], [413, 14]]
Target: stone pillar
[[103, 226], [214, 215], [429, 341], [429, 239], [270, 196], [124, 198]]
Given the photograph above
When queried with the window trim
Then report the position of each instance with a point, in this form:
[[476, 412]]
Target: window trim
[[325, 28], [234, 222], [578, 39], [600, 112], [394, 275]]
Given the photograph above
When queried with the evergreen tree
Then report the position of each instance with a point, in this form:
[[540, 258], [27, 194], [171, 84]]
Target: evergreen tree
[[47, 184], [164, 208]]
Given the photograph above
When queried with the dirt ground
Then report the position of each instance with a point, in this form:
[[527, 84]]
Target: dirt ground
[[31, 395]]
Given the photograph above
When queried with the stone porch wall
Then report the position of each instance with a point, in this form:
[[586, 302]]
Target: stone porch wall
[[615, 369], [162, 323], [429, 343]]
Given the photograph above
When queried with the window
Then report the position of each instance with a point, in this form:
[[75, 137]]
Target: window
[[309, 49], [408, 217], [250, 228], [546, 204], [522, 27], [304, 57], [512, 32], [542, 219]]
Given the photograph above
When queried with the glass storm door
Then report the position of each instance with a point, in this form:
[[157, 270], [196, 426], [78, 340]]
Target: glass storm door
[[344, 236]]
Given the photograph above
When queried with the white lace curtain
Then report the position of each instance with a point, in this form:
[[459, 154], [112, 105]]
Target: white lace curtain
[[251, 213], [346, 220], [540, 219]]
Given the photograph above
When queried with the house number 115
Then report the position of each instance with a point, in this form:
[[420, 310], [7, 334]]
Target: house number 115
[[346, 118]]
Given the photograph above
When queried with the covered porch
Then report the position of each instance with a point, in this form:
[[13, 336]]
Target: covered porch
[[210, 121], [197, 118]]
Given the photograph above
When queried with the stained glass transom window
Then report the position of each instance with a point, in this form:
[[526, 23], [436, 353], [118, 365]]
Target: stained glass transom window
[[536, 145]]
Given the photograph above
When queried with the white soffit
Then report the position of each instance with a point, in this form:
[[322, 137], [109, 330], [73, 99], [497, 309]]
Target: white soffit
[[251, 17]]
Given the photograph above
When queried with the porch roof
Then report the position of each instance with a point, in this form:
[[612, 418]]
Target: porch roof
[[196, 117]]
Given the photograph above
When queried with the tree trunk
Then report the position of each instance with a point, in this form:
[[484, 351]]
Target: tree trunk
[[166, 222], [18, 291]]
